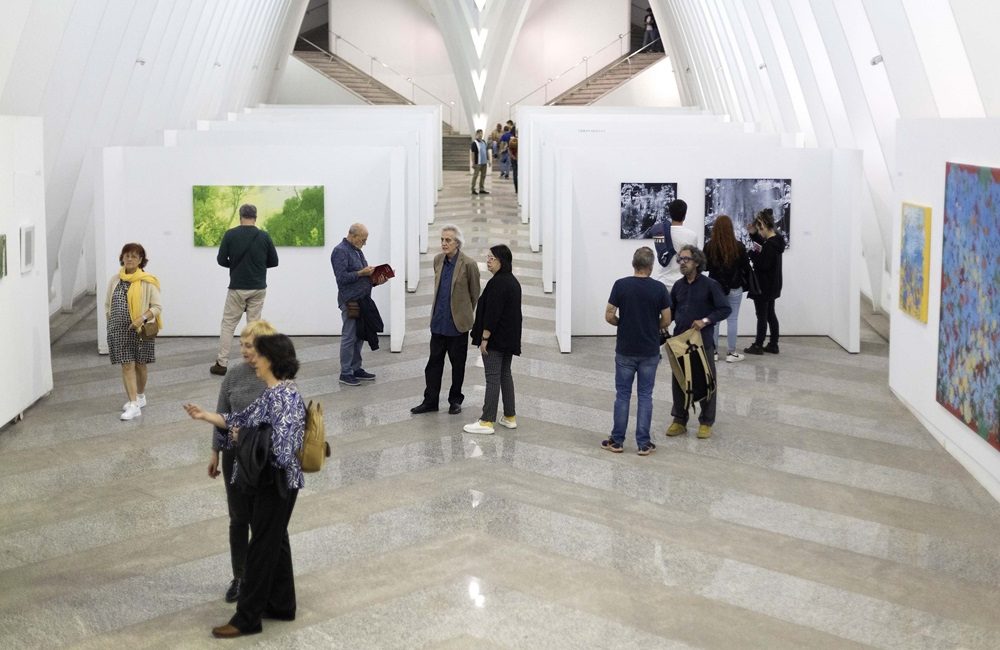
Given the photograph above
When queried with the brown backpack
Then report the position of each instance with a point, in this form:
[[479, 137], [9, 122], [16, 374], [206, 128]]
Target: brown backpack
[[315, 449]]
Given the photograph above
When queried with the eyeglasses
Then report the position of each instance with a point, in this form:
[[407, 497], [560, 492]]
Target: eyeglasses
[[684, 259]]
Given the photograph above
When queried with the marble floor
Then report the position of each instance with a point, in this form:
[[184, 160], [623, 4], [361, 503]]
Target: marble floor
[[819, 515]]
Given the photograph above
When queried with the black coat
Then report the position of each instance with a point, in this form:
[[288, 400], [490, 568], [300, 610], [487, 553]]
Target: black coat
[[499, 311], [730, 277], [370, 322], [767, 264]]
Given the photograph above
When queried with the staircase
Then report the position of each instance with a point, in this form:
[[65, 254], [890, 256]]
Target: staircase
[[607, 79], [455, 152], [358, 82]]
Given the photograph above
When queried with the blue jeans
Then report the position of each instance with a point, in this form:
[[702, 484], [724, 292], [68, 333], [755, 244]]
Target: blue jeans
[[626, 368], [735, 298], [350, 344]]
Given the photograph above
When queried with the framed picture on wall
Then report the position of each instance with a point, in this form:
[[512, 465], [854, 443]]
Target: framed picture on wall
[[742, 198], [3, 256], [293, 215], [915, 261], [643, 205], [27, 248]]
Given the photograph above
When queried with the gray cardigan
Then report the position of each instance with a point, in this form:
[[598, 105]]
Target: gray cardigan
[[240, 387]]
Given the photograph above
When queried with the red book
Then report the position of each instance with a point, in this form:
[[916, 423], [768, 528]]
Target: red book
[[382, 273]]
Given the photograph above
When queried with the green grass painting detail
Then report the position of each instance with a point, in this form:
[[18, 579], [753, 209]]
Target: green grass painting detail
[[291, 214]]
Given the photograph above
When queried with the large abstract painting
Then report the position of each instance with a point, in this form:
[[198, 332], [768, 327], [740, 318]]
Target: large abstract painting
[[743, 198], [968, 373], [915, 261], [643, 205], [293, 215]]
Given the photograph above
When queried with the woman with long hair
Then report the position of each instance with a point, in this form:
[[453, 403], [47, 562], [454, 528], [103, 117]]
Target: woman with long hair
[[727, 263], [268, 587], [497, 332], [133, 298], [766, 259]]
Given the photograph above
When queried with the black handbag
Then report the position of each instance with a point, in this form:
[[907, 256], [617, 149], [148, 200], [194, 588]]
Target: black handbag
[[253, 454]]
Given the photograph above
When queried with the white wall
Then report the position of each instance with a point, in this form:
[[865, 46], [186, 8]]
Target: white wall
[[156, 182], [818, 229], [654, 86], [402, 35], [300, 84], [924, 148], [556, 35], [25, 360]]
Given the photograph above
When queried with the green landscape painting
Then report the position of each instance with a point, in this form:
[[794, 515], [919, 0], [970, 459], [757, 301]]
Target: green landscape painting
[[291, 214]]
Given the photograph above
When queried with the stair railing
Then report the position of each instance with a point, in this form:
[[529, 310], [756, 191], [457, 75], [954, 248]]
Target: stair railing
[[585, 62], [331, 57], [399, 81]]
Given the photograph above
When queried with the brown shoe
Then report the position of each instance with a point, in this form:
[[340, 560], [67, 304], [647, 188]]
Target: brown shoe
[[226, 631], [218, 369], [676, 429], [705, 431]]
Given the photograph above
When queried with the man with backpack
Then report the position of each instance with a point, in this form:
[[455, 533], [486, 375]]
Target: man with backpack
[[698, 303], [248, 252]]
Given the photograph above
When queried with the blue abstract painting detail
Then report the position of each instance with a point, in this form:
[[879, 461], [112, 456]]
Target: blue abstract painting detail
[[968, 374]]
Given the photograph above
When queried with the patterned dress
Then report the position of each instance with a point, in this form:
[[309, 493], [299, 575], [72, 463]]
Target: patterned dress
[[124, 345]]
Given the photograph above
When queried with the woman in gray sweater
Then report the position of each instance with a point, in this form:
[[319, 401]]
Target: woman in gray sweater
[[240, 387]]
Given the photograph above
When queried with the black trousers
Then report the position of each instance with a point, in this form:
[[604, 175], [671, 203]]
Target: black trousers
[[268, 584], [240, 508], [457, 349], [765, 318], [513, 168]]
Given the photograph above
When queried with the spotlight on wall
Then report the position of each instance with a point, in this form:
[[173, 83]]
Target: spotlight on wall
[[876, 59]]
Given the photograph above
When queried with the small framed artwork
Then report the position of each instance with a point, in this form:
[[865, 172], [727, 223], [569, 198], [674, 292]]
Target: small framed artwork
[[27, 248], [3, 256]]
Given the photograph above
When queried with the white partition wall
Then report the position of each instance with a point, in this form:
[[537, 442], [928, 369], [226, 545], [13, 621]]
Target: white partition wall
[[146, 195], [821, 287], [26, 368], [925, 146]]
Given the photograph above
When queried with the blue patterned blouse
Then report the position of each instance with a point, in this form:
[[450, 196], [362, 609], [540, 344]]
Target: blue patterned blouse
[[282, 407]]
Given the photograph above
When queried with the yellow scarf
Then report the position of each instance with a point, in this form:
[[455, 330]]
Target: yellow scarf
[[134, 294]]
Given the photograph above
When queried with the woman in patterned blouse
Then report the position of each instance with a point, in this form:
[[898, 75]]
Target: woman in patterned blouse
[[268, 588]]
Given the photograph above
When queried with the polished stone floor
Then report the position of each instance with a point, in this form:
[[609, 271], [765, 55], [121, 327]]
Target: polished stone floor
[[819, 515]]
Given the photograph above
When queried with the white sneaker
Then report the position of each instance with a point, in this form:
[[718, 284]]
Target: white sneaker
[[716, 356], [509, 422], [485, 428], [140, 399], [132, 411], [733, 357]]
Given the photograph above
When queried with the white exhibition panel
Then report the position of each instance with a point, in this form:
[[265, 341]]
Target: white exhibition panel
[[242, 133], [596, 141], [26, 371], [924, 147], [814, 301], [145, 196], [432, 115]]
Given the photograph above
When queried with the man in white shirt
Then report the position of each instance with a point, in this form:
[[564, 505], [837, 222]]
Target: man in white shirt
[[681, 237]]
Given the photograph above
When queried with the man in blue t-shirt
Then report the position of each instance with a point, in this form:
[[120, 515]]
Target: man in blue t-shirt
[[639, 307]]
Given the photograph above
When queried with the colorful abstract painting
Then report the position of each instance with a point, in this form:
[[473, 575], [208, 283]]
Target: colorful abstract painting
[[968, 374], [292, 215], [915, 261]]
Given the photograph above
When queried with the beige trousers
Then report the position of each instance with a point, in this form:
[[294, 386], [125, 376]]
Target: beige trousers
[[238, 301]]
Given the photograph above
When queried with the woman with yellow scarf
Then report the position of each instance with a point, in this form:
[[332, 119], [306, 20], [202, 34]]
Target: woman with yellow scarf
[[133, 299]]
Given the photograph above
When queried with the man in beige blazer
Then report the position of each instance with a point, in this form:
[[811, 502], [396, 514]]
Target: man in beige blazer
[[456, 290]]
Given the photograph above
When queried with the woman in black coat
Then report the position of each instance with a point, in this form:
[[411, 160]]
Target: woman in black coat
[[767, 265], [497, 332]]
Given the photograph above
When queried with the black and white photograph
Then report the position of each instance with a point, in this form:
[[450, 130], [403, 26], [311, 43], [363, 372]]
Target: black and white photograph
[[742, 198], [642, 206]]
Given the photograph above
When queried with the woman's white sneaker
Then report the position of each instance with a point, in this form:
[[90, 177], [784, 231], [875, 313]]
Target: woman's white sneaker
[[485, 428], [132, 411], [733, 357], [140, 399], [509, 422]]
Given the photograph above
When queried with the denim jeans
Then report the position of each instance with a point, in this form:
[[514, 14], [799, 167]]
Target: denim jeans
[[732, 323], [626, 369], [350, 344]]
